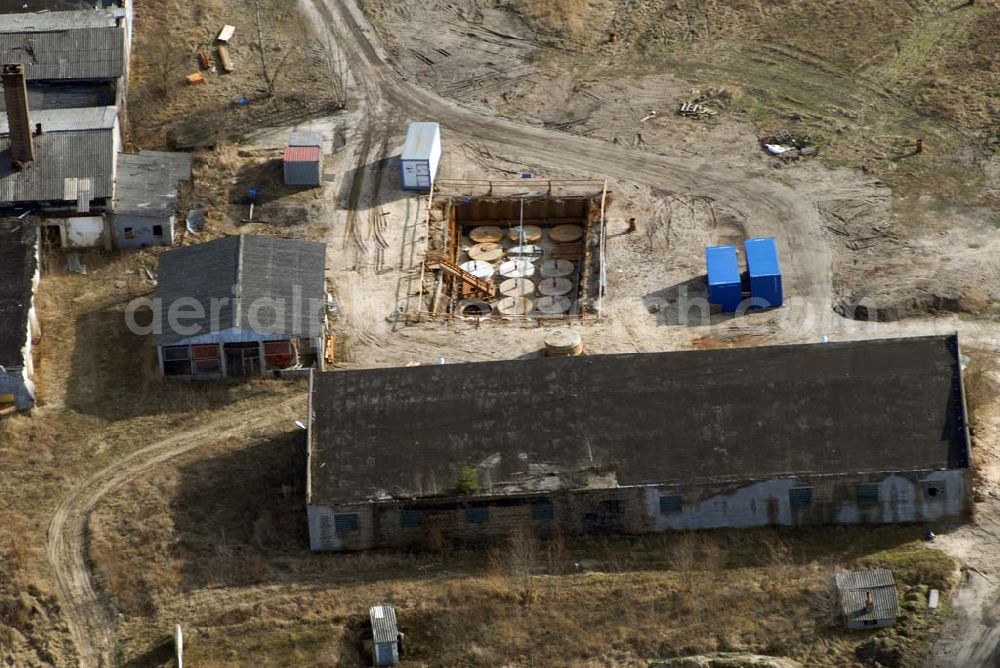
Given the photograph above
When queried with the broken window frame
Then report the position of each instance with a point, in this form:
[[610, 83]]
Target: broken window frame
[[934, 489]]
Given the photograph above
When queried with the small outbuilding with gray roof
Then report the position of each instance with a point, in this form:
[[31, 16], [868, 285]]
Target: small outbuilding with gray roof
[[241, 306], [145, 204], [868, 598]]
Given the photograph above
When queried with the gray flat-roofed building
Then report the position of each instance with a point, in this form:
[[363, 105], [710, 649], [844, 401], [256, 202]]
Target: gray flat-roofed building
[[260, 305], [851, 432], [145, 204], [868, 598], [18, 323], [74, 145]]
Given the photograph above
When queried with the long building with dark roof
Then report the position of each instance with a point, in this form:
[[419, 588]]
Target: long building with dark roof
[[853, 432]]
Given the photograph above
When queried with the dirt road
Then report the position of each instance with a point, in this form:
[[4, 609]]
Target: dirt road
[[88, 615], [769, 207]]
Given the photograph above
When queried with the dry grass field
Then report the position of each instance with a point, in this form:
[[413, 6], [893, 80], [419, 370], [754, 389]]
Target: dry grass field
[[217, 542]]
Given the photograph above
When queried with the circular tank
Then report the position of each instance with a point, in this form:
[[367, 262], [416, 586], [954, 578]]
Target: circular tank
[[486, 234], [517, 287]]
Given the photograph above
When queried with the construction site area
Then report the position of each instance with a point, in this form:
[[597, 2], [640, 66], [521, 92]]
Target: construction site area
[[524, 255], [475, 333]]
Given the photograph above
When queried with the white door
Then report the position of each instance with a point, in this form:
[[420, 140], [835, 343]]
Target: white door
[[423, 175]]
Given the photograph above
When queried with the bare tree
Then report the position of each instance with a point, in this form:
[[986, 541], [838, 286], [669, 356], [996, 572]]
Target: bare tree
[[269, 72], [165, 66]]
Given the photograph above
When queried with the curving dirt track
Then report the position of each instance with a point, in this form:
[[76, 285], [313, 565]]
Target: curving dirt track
[[89, 618]]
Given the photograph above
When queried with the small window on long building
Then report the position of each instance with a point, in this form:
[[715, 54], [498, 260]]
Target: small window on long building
[[345, 523], [176, 361], [867, 495], [479, 515], [541, 509], [409, 519], [671, 504], [800, 497]]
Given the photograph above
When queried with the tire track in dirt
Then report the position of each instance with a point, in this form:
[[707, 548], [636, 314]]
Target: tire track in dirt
[[87, 611]]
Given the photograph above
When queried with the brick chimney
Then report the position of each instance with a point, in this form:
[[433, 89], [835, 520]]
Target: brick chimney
[[15, 93]]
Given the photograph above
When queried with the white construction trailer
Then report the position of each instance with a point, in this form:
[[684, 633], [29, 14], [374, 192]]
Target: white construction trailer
[[421, 154]]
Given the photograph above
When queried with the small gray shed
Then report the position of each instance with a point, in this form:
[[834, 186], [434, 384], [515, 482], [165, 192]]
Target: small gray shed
[[304, 159], [385, 635], [868, 598]]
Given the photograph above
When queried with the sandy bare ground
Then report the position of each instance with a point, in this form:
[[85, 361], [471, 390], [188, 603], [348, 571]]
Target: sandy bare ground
[[88, 615]]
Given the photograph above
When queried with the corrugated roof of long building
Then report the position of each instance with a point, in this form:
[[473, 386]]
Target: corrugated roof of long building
[[674, 417], [74, 19], [67, 120], [78, 53], [74, 144]]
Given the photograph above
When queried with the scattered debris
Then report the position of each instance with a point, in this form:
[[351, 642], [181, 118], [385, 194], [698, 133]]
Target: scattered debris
[[651, 114], [695, 110], [225, 34], [786, 145], [74, 264], [227, 62], [195, 221], [932, 598], [204, 62], [195, 79]]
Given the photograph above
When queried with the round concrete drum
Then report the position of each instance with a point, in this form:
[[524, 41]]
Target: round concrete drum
[[487, 234], [553, 305], [517, 269], [515, 306], [564, 234], [517, 287], [532, 233], [487, 251], [478, 268], [563, 343], [556, 268], [554, 287]]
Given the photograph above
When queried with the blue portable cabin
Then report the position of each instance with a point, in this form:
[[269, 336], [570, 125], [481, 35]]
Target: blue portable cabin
[[765, 272], [723, 277]]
